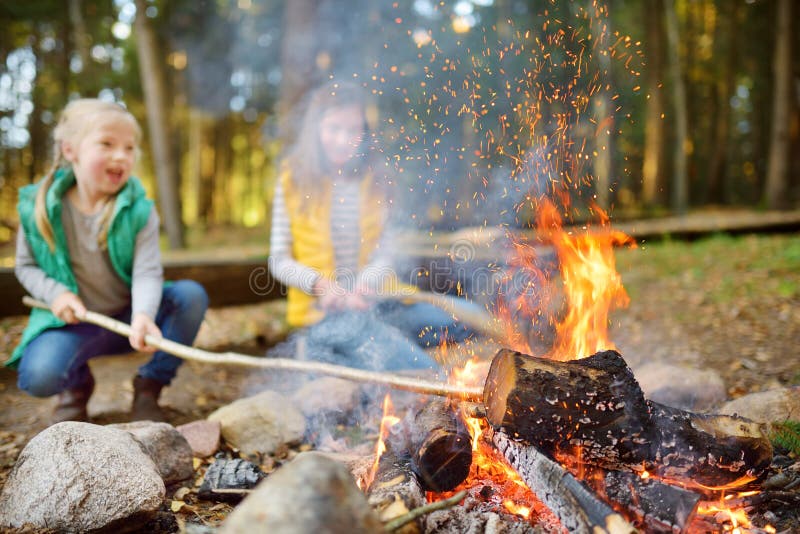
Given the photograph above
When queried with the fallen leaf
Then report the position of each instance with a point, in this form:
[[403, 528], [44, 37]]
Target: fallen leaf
[[176, 505]]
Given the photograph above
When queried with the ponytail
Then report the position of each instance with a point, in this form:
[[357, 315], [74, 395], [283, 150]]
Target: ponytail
[[41, 217], [105, 223]]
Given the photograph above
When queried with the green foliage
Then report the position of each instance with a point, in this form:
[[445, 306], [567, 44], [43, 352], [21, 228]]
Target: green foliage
[[786, 435]]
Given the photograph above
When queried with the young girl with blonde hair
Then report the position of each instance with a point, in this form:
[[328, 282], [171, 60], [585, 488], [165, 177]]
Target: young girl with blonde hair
[[88, 239]]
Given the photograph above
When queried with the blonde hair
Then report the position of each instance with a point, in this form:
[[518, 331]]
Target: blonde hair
[[306, 159], [77, 119]]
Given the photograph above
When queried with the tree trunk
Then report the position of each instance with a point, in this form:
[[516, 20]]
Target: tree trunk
[[155, 92], [680, 180], [726, 31], [777, 185], [223, 163], [298, 61], [193, 179], [653, 164], [80, 37], [604, 113], [41, 159]]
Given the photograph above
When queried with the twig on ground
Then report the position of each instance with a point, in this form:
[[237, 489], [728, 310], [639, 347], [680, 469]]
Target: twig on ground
[[398, 522]]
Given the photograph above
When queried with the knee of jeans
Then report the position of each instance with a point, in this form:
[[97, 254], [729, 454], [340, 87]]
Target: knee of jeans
[[40, 381], [190, 296]]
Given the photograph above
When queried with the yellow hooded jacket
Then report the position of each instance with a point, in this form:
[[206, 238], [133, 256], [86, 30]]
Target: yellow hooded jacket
[[310, 227]]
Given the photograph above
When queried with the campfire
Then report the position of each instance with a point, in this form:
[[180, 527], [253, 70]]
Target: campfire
[[567, 439]]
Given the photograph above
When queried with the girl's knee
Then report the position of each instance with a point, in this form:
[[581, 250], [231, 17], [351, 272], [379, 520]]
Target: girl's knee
[[40, 381], [189, 295]]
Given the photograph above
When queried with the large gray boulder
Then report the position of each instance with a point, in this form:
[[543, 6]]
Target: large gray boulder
[[313, 493], [681, 386], [167, 447], [78, 477], [769, 406], [260, 424]]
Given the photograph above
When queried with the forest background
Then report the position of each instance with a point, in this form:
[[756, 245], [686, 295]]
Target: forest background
[[476, 106]]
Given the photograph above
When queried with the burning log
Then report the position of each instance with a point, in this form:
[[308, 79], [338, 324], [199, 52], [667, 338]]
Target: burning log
[[395, 491], [594, 408], [579, 509], [659, 507], [440, 446]]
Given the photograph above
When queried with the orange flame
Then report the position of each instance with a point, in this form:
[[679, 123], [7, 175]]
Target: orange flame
[[592, 284], [514, 508], [722, 513], [387, 421]]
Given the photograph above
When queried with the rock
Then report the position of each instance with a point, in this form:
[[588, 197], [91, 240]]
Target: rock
[[329, 397], [77, 477], [203, 436], [769, 406], [359, 465], [681, 386], [166, 446], [311, 494], [261, 423]]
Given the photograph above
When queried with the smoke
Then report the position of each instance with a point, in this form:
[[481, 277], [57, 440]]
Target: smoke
[[478, 110]]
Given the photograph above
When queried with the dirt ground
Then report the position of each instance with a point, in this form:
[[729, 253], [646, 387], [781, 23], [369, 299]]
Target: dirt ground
[[727, 304]]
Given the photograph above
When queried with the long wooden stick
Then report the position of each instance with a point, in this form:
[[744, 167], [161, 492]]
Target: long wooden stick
[[234, 358]]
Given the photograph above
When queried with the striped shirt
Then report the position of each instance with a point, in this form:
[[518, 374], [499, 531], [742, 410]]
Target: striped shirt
[[345, 238]]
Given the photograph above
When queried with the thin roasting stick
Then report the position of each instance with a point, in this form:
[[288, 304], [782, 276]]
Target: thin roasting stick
[[234, 358]]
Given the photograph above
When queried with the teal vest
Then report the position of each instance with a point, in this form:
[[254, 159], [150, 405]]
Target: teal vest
[[131, 211]]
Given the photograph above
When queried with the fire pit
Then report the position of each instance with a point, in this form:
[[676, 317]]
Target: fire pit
[[568, 445], [570, 442]]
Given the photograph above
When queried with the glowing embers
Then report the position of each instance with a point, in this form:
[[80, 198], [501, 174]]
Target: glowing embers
[[492, 482]]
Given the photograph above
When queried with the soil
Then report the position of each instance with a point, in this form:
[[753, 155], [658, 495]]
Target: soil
[[721, 305]]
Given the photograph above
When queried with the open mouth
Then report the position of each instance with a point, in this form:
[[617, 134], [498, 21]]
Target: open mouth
[[115, 175]]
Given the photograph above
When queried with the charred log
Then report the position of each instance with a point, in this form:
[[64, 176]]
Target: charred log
[[395, 491], [652, 504], [578, 508], [594, 408], [440, 446], [229, 480]]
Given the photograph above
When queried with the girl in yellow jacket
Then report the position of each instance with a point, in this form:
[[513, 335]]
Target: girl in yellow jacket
[[329, 247]]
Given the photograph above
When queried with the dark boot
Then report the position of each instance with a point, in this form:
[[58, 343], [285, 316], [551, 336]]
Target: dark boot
[[71, 404], [145, 400]]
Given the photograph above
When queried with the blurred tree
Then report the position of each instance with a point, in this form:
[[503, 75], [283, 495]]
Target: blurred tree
[[603, 110], [654, 138], [151, 70], [777, 181], [299, 50], [679, 185], [727, 50]]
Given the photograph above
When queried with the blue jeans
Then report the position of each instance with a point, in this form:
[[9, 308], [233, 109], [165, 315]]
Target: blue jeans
[[57, 359], [425, 323], [389, 337]]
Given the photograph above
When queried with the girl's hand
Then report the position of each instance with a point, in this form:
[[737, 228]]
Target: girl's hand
[[329, 294], [142, 325], [333, 297], [355, 301], [68, 307]]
